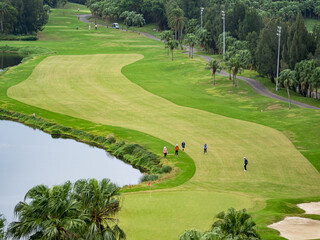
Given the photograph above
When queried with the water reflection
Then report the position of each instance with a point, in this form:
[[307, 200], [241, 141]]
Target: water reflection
[[30, 157], [8, 60]]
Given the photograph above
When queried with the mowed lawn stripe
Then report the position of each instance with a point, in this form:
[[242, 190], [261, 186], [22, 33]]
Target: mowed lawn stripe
[[92, 87]]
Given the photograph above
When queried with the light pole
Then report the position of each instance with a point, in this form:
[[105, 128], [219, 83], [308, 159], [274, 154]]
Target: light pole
[[224, 33], [279, 35], [201, 11]]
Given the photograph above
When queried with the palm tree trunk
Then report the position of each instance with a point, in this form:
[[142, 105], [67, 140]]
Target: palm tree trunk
[[1, 19], [192, 52], [214, 79], [172, 53], [181, 40], [289, 97]]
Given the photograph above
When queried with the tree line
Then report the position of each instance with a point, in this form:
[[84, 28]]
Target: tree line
[[22, 16]]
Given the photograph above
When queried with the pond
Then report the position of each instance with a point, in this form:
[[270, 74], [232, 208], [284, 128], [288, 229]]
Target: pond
[[31, 157], [8, 60]]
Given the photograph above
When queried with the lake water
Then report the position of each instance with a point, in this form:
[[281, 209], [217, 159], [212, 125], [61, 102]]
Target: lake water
[[8, 60], [31, 157]]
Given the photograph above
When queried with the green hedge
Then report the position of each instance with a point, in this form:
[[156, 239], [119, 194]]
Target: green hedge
[[9, 37], [133, 154]]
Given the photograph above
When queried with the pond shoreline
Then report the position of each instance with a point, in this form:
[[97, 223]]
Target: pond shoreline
[[101, 142]]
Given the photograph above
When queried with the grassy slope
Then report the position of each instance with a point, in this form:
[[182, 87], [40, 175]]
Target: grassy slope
[[166, 81]]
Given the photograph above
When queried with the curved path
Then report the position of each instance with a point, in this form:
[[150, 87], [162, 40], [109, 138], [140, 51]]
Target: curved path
[[256, 85]]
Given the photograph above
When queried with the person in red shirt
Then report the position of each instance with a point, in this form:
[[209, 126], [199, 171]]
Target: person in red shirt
[[176, 149]]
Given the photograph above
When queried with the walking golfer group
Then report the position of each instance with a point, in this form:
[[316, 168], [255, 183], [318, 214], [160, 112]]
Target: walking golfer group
[[205, 148]]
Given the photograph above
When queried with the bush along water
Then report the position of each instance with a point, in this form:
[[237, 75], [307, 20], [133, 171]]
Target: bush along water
[[133, 154]]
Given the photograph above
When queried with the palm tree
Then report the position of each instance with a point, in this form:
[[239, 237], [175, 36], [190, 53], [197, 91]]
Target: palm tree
[[192, 234], [214, 66], [48, 214], [235, 225], [191, 40], [239, 61], [315, 80], [2, 222], [100, 202], [3, 9], [172, 44], [166, 36], [288, 79], [177, 20]]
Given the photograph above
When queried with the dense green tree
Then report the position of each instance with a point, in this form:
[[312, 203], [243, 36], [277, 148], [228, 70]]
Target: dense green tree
[[213, 23], [299, 43], [236, 225], [8, 17], [267, 50], [288, 79], [192, 26], [215, 66], [252, 22]]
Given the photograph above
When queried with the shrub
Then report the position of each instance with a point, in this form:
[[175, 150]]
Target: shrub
[[166, 169], [149, 177], [110, 139]]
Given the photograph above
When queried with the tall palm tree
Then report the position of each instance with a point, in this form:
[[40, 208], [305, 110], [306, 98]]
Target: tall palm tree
[[177, 20], [288, 79], [191, 40], [166, 36], [48, 214], [100, 202], [215, 66], [172, 44], [235, 225]]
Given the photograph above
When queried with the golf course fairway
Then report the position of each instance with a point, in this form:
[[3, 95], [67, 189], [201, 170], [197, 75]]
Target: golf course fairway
[[120, 82]]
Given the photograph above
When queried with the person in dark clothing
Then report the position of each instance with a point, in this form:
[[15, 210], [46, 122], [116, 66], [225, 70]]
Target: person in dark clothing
[[205, 147], [245, 163], [183, 145]]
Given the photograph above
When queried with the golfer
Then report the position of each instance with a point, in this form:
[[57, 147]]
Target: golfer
[[205, 147], [245, 163], [165, 152], [183, 145], [176, 149]]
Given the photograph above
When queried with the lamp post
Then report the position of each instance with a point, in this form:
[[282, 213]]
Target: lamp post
[[224, 33], [201, 11], [279, 35]]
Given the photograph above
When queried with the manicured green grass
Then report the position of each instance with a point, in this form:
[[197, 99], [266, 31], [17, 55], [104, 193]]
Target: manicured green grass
[[309, 23], [110, 81]]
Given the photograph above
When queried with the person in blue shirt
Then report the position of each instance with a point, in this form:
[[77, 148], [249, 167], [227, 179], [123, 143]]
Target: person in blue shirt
[[183, 145], [205, 147], [245, 163]]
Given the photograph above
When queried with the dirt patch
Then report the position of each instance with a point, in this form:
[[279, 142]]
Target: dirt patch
[[310, 208], [274, 107], [296, 228]]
